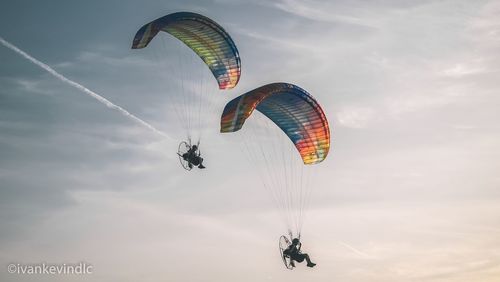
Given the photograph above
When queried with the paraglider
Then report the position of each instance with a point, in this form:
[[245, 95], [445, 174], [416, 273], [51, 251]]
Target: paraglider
[[214, 46], [286, 113], [190, 156]]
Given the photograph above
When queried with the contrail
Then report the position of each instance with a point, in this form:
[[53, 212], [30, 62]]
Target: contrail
[[80, 87], [365, 255]]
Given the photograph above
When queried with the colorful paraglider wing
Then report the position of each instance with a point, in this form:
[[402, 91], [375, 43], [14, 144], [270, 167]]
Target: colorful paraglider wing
[[205, 37], [292, 109]]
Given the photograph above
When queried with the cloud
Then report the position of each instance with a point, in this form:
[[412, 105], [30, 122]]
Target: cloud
[[358, 117], [460, 70], [322, 11], [128, 61], [33, 86]]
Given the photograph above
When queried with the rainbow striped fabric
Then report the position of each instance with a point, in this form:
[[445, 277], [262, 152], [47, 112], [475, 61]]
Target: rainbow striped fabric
[[292, 109], [205, 37]]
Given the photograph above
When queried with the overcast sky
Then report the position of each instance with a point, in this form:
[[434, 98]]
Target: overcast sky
[[409, 192]]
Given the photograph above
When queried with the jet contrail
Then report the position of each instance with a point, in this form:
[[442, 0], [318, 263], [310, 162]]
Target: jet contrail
[[80, 87], [363, 254]]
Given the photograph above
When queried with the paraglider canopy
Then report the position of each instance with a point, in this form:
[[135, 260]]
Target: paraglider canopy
[[292, 109], [205, 37]]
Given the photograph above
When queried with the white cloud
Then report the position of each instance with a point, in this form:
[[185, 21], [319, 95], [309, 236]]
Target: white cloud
[[322, 11], [37, 86], [460, 70], [355, 117]]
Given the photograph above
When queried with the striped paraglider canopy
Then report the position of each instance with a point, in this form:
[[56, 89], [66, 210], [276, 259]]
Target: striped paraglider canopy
[[292, 109], [205, 37]]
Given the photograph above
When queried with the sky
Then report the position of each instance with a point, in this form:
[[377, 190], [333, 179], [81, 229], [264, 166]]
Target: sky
[[409, 191]]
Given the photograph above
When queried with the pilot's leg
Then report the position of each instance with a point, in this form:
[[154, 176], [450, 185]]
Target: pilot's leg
[[308, 259], [201, 164], [309, 262]]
